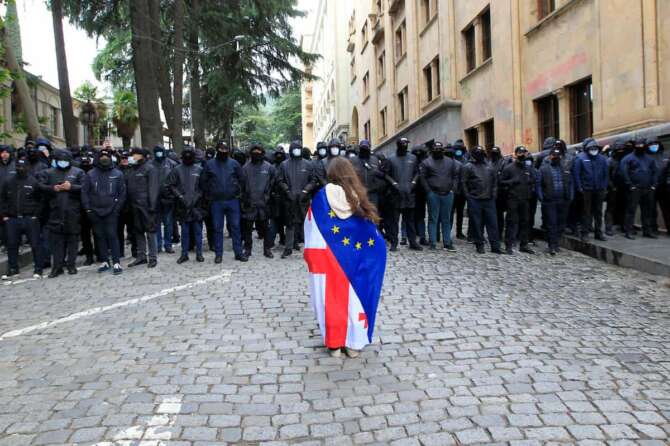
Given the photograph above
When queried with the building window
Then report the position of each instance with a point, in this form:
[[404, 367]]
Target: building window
[[581, 110], [489, 134], [470, 52], [381, 67], [431, 80], [382, 122], [402, 106], [428, 10], [471, 137], [400, 41], [379, 7], [545, 7], [366, 130], [547, 117], [364, 36], [485, 21], [366, 85], [54, 121]]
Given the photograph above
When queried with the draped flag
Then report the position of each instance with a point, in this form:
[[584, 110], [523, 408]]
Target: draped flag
[[346, 261]]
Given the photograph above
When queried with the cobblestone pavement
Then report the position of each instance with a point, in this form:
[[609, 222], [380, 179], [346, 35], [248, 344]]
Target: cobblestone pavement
[[470, 350]]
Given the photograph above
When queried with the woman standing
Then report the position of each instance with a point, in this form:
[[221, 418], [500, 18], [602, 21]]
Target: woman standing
[[346, 257]]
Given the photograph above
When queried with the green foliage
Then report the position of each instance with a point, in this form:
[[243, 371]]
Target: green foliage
[[125, 113], [280, 122], [87, 92], [114, 62]]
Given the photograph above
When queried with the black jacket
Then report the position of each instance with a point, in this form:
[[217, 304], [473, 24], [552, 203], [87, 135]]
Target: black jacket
[[20, 196], [104, 191], [64, 206], [259, 180], [404, 170], [184, 183], [222, 180], [371, 173], [479, 181], [296, 180], [439, 176], [545, 184], [6, 170], [143, 187], [164, 167], [518, 181]]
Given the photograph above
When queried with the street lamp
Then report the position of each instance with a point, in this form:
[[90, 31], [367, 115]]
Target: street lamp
[[89, 116]]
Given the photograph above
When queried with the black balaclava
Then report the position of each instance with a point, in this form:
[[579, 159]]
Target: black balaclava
[[188, 157], [496, 154], [520, 153], [105, 159], [478, 154], [222, 151], [22, 167], [640, 147], [306, 153], [437, 152], [210, 153], [555, 157], [257, 154], [364, 150], [402, 145], [279, 156]]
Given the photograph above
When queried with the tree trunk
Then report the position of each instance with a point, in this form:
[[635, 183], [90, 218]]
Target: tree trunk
[[27, 105], [145, 80], [126, 142], [178, 81], [159, 65], [197, 113], [69, 122]]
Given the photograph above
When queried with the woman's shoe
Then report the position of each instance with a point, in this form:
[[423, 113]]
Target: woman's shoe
[[352, 353], [335, 352]]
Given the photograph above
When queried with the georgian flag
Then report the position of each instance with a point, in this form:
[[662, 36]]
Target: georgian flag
[[346, 261]]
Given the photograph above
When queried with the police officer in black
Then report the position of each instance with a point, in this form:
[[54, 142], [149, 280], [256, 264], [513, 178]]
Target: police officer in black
[[89, 245], [143, 189], [125, 226], [369, 168], [20, 208], [555, 190], [260, 177], [62, 185], [6, 169], [518, 182], [335, 149], [403, 171], [499, 163], [183, 183], [102, 197], [278, 212], [296, 180]]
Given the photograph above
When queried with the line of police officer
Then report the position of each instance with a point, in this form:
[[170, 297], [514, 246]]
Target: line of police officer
[[56, 197]]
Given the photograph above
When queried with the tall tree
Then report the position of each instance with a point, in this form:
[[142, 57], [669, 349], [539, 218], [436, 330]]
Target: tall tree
[[145, 81], [69, 122], [125, 115], [197, 112], [178, 76], [25, 100]]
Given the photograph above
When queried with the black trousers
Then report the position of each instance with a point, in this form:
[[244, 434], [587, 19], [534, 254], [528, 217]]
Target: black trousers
[[501, 207], [663, 197], [408, 221], [611, 210], [516, 224], [16, 228], [644, 198], [63, 248], [592, 211], [87, 238], [459, 209], [125, 227], [263, 232], [106, 235], [209, 229], [482, 214], [554, 214]]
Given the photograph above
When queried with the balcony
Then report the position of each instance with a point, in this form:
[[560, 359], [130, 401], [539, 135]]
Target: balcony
[[394, 5], [351, 40], [377, 27]]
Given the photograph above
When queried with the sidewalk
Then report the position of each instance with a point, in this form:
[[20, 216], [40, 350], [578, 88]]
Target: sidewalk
[[642, 254]]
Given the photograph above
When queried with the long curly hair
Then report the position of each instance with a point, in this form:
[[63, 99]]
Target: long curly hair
[[342, 172]]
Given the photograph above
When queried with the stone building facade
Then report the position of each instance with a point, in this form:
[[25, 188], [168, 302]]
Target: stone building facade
[[508, 72]]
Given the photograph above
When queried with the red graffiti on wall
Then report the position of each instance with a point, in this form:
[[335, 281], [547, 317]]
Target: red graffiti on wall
[[543, 80], [528, 137]]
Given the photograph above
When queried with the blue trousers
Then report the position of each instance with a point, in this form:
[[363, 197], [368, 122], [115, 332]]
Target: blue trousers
[[554, 215], [222, 211], [482, 215], [439, 210], [164, 229], [186, 237]]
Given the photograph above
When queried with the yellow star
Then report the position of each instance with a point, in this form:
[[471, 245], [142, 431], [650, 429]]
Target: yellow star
[[371, 243], [336, 229], [359, 245], [346, 241], [331, 213]]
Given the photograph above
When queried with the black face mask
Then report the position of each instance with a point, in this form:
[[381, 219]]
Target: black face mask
[[478, 156], [22, 172], [105, 162], [438, 154], [222, 156], [402, 150], [256, 157], [520, 160], [364, 152], [188, 158], [640, 150], [495, 156], [33, 156]]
